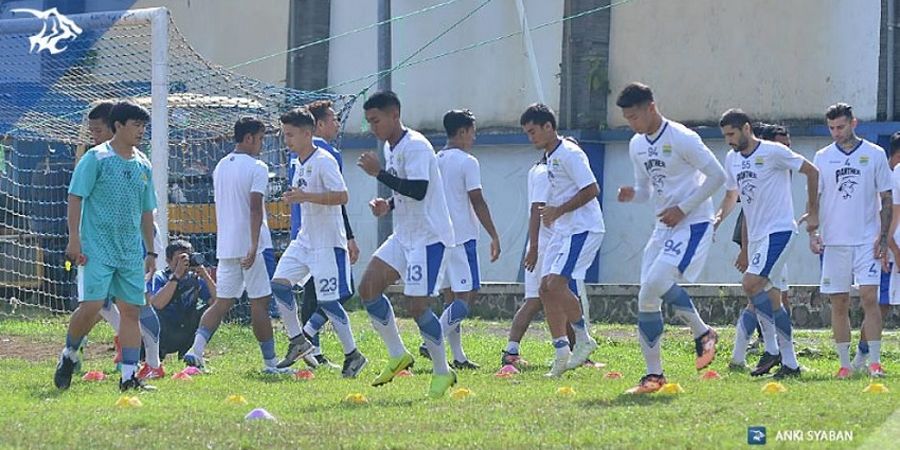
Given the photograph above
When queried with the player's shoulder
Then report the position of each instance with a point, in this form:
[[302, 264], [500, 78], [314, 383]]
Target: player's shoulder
[[826, 149], [872, 147], [773, 147], [99, 152], [681, 134], [324, 157], [416, 141]]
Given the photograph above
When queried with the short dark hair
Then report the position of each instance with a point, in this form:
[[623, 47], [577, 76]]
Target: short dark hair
[[458, 119], [634, 94], [779, 130], [177, 246], [895, 143], [299, 117], [839, 109], [247, 125], [763, 130], [382, 100], [126, 110], [319, 108], [538, 114], [101, 110], [734, 117]]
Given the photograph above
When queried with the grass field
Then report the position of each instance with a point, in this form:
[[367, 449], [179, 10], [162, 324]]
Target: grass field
[[519, 412]]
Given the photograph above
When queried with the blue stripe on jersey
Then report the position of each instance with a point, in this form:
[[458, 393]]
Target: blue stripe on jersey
[[434, 255], [697, 232], [340, 258], [575, 247], [472, 257], [777, 243]]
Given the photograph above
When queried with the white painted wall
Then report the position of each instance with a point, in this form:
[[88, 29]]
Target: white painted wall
[[494, 81], [776, 59], [230, 32]]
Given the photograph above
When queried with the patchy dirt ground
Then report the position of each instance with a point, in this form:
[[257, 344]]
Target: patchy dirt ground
[[34, 350]]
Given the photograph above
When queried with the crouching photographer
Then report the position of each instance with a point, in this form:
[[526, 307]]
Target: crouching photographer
[[180, 294]]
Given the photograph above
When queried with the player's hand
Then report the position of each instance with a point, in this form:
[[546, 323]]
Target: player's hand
[[815, 244], [530, 259], [671, 216], [379, 207], [626, 194], [248, 260], [295, 195], [549, 214], [181, 265], [495, 249], [369, 163], [73, 252], [741, 262], [880, 251], [718, 221], [352, 251], [149, 266]]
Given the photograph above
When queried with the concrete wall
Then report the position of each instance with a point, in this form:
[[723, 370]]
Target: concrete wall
[[777, 59], [229, 32], [494, 81]]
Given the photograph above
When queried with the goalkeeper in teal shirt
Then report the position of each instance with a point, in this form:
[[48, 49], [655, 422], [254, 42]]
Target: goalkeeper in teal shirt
[[110, 219]]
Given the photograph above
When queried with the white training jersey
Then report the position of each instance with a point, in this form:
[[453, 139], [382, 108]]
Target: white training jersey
[[850, 184], [418, 222], [235, 177], [321, 226], [461, 174], [763, 178], [668, 166], [538, 191], [569, 172]]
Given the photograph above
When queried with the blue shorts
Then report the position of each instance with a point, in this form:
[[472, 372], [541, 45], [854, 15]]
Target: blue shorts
[[97, 281]]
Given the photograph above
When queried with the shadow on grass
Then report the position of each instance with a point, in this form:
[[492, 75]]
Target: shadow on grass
[[626, 400]]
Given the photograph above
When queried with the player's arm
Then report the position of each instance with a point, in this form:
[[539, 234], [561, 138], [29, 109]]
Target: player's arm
[[256, 219], [534, 230], [581, 198], [726, 207], [83, 179], [147, 232], [887, 216], [701, 158], [412, 188], [320, 198], [73, 219], [484, 216], [640, 192], [812, 195]]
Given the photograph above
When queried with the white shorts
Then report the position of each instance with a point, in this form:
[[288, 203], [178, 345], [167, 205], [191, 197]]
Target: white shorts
[[685, 246], [460, 272], [766, 257], [571, 255], [232, 280], [844, 264], [889, 292], [329, 267], [418, 266], [533, 278]]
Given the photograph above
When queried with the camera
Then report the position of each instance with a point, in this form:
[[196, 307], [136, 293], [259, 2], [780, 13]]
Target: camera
[[196, 260]]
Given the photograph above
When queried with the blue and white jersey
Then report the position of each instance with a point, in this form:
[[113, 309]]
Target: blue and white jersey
[[763, 178], [850, 184], [296, 217], [668, 166]]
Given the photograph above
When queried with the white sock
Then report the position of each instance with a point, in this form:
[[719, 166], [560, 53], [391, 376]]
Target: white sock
[[875, 352], [843, 351], [128, 371], [387, 329], [111, 315], [512, 347], [199, 345], [270, 362], [561, 345], [788, 357], [581, 331], [742, 336], [767, 325], [341, 327], [151, 349], [289, 319]]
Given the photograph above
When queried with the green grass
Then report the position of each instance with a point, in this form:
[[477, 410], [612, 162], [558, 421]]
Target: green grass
[[521, 412]]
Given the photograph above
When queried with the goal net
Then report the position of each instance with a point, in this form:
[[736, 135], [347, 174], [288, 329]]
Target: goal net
[[53, 68]]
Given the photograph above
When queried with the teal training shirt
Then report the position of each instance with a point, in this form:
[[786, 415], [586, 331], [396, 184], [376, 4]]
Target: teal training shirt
[[115, 192]]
